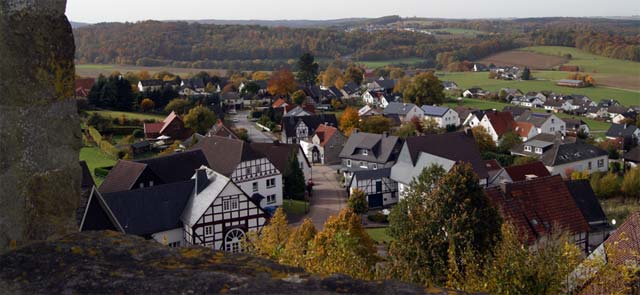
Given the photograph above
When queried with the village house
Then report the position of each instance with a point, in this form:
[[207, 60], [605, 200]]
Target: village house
[[497, 124], [405, 111], [382, 85], [632, 157], [545, 123], [368, 158], [367, 111], [475, 93], [132, 175], [625, 116], [378, 99], [499, 175], [562, 156], [626, 133], [528, 101], [250, 169], [445, 150], [207, 210], [299, 111], [510, 93], [325, 145], [443, 116], [83, 87], [352, 90], [571, 83], [295, 129], [219, 129], [574, 126], [279, 103], [538, 205], [480, 67], [172, 126], [449, 85], [526, 130], [150, 85]]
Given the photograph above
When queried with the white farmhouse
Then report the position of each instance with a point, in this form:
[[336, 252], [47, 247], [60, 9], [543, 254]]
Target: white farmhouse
[[443, 116]]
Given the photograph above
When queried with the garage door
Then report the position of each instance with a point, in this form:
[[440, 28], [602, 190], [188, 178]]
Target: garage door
[[375, 201]]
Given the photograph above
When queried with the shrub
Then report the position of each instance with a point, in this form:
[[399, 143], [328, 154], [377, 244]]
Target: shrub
[[378, 217], [101, 171]]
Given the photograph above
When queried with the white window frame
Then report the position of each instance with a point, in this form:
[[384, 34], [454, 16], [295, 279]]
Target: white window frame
[[600, 163], [348, 163], [365, 152], [527, 148], [271, 183], [271, 199], [375, 166], [208, 230], [255, 187], [539, 150]]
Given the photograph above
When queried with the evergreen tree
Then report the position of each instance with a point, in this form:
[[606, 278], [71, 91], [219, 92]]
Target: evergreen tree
[[294, 182], [307, 69], [526, 74]]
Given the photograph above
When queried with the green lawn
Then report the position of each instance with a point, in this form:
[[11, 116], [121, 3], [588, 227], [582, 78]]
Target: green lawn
[[140, 116], [379, 235], [456, 31], [383, 63], [590, 62], [471, 79], [594, 125], [96, 158], [295, 207]]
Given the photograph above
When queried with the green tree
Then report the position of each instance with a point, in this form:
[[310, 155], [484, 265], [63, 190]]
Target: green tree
[[178, 105], [424, 89], [440, 216], [526, 74], [307, 69], [298, 244], [523, 160], [483, 139], [344, 247], [605, 186], [508, 141], [200, 119], [406, 130], [376, 124], [294, 183], [272, 239], [298, 97], [358, 202]]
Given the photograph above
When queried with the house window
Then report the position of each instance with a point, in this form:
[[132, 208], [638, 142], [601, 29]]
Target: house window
[[232, 240], [365, 152], [539, 151], [271, 182], [247, 170], [271, 199], [174, 244], [527, 148], [553, 121], [229, 204], [151, 183], [348, 163], [258, 170], [375, 166], [363, 165], [600, 163], [141, 185], [208, 230], [255, 186], [589, 165], [552, 129]]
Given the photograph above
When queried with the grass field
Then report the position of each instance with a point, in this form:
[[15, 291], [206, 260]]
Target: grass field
[[456, 31], [93, 70], [532, 60], [95, 158], [383, 63], [589, 62], [595, 126], [294, 207], [470, 79], [379, 235], [129, 115]]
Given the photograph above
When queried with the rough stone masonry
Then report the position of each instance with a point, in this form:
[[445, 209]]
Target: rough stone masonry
[[40, 135]]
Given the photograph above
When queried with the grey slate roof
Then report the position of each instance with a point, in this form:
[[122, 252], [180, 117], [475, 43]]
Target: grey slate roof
[[621, 130], [568, 153], [289, 123], [537, 119], [150, 210], [372, 174], [398, 108], [225, 154], [434, 111], [383, 148], [586, 200]]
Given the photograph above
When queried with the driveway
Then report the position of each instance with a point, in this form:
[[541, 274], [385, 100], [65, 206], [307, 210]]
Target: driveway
[[255, 135], [328, 197]]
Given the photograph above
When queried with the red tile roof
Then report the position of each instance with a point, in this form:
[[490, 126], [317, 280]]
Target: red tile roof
[[325, 133], [502, 122], [152, 128], [535, 206], [83, 86], [492, 165], [523, 128], [519, 173], [278, 103], [309, 108]]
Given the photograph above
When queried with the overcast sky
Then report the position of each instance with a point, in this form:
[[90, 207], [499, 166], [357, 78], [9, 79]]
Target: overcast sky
[[93, 11]]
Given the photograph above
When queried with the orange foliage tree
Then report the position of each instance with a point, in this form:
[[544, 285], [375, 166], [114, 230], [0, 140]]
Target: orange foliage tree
[[282, 83], [349, 120]]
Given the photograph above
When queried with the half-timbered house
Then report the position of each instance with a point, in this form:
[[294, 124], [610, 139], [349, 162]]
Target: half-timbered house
[[247, 167], [381, 190], [295, 129]]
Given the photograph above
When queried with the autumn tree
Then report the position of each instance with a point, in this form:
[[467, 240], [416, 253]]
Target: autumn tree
[[441, 215], [605, 186], [396, 73], [631, 183], [307, 69], [508, 141], [144, 75], [178, 105], [376, 124], [147, 104], [272, 239], [331, 76], [298, 97], [282, 83], [260, 76], [358, 202], [349, 120], [483, 139], [402, 84], [298, 243], [200, 119], [406, 130], [354, 73], [344, 247], [424, 89]]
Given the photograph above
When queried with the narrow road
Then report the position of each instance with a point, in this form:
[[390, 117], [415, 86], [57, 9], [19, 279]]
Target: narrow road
[[255, 135], [328, 198]]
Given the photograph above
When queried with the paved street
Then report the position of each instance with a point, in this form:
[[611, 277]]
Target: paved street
[[328, 196], [255, 135]]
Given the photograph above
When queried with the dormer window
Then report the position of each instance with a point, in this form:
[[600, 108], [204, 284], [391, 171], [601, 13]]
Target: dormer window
[[348, 163], [365, 152], [527, 148], [539, 151]]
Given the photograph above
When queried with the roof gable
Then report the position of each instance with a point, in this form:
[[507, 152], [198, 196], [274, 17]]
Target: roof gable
[[520, 173]]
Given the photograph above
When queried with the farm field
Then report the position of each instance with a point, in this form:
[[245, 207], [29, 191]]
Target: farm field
[[594, 125], [94, 70], [95, 158], [129, 115], [383, 63], [470, 79], [532, 60]]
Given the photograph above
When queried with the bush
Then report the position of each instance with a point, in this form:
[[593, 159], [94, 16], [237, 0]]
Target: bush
[[101, 171], [378, 217]]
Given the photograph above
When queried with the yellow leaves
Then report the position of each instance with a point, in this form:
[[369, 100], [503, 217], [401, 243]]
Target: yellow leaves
[[13, 244], [349, 120]]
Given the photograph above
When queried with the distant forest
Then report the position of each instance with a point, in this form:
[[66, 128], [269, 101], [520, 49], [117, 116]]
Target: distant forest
[[196, 45]]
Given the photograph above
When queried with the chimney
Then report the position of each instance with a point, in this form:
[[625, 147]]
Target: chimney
[[506, 189], [202, 180]]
